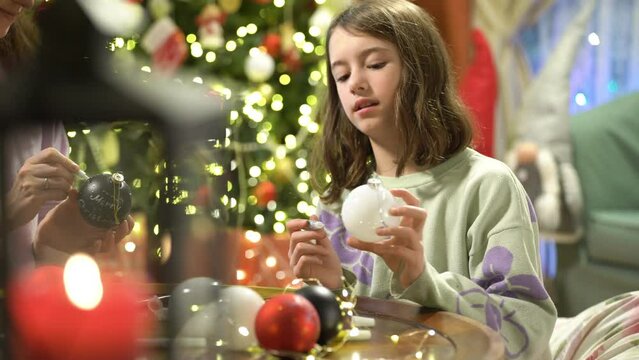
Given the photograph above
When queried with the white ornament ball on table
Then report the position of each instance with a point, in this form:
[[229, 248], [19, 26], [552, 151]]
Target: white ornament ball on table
[[366, 209], [241, 305], [189, 300], [259, 66], [204, 324]]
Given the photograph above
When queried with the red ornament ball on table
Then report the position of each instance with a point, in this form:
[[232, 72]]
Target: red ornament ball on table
[[287, 323]]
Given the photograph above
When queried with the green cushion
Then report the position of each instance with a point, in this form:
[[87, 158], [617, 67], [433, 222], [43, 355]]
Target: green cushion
[[606, 153], [613, 237]]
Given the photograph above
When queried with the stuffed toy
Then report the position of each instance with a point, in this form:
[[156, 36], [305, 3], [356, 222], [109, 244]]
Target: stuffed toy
[[553, 187]]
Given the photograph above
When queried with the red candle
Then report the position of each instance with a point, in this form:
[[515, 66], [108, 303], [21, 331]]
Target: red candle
[[51, 323]]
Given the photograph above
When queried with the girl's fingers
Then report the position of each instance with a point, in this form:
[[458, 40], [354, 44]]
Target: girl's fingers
[[360, 245], [296, 225], [405, 195], [315, 236], [303, 268], [303, 249], [401, 236]]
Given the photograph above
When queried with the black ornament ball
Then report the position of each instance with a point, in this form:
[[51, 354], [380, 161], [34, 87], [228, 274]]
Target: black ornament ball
[[105, 200], [327, 306]]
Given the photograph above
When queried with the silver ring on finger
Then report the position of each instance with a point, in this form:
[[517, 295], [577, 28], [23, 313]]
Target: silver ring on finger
[[46, 183]]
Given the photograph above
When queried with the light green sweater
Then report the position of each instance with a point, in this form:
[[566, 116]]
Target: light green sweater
[[481, 248]]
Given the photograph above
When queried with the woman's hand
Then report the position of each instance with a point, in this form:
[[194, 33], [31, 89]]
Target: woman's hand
[[46, 176], [64, 229], [403, 253], [311, 254]]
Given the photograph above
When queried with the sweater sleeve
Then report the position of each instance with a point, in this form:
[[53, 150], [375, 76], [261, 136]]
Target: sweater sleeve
[[504, 290]]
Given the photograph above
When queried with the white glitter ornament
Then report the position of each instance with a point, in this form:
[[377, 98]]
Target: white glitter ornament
[[259, 66], [366, 209]]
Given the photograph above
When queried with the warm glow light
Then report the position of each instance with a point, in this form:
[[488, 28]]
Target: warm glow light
[[302, 206], [240, 274], [231, 46], [593, 39], [280, 152], [394, 339], [290, 141], [253, 236], [300, 163], [279, 3], [129, 246], [82, 282], [302, 187], [196, 50], [280, 216], [251, 28], [243, 331], [299, 37], [241, 31], [285, 79], [313, 127], [308, 47], [271, 261], [279, 228], [255, 171]]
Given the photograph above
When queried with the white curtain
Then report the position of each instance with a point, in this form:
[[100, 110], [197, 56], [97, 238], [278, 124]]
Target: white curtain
[[601, 72]]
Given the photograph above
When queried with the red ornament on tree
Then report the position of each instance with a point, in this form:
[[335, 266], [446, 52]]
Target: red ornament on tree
[[273, 44], [265, 192], [287, 323], [166, 43], [292, 60]]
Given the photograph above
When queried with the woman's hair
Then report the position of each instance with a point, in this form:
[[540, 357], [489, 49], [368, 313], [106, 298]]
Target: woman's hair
[[432, 123], [20, 42]]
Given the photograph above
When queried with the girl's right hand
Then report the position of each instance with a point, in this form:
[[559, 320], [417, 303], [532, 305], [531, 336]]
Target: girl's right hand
[[46, 176], [313, 259]]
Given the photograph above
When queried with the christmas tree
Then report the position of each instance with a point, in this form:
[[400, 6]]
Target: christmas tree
[[265, 58]]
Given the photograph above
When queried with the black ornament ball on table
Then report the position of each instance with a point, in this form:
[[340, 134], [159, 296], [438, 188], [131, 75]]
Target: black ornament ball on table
[[105, 200], [328, 308]]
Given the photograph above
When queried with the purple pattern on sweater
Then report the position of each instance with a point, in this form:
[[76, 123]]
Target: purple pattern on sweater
[[495, 268], [357, 261]]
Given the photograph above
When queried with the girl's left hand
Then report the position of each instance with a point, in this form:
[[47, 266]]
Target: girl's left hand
[[403, 253]]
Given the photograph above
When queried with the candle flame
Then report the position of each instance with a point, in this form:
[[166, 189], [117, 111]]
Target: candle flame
[[82, 282]]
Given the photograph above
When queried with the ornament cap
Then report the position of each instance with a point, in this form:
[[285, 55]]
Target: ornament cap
[[374, 183], [117, 177]]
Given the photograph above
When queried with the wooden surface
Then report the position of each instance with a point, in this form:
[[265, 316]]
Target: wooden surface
[[402, 330], [469, 339]]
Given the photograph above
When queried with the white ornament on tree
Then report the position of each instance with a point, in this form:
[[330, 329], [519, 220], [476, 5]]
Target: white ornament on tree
[[366, 209], [259, 66]]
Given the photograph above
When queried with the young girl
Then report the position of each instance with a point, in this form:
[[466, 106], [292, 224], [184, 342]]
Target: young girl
[[468, 240]]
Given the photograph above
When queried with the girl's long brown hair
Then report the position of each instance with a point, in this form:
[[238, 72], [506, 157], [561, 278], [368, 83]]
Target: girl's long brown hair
[[20, 42], [432, 122]]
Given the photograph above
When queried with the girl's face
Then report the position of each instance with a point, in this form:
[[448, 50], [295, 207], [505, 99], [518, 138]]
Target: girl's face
[[9, 11], [367, 71]]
